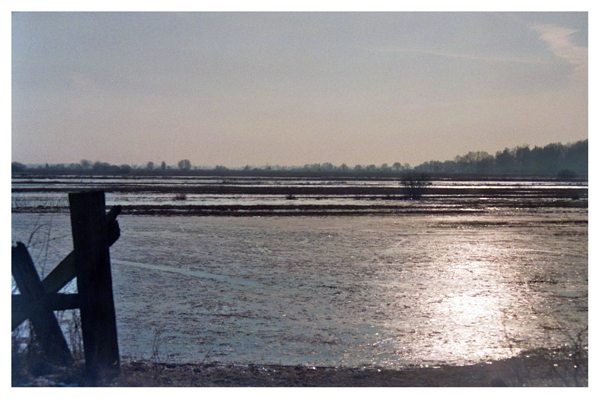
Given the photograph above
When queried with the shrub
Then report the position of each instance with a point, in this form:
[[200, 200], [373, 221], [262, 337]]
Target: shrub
[[415, 184]]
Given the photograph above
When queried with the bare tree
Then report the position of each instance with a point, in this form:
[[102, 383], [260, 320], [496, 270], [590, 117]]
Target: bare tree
[[414, 184], [184, 164]]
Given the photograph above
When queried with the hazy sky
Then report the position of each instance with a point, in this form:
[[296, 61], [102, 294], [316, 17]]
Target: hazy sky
[[293, 88]]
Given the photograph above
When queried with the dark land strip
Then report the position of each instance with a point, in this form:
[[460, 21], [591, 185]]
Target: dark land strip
[[540, 368]]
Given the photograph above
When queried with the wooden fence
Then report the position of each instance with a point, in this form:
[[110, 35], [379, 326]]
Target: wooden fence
[[93, 233]]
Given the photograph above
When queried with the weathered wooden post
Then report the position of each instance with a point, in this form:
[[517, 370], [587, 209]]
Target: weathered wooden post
[[94, 284]]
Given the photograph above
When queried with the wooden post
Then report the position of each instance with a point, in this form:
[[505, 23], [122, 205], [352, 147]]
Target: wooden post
[[42, 317], [94, 284]]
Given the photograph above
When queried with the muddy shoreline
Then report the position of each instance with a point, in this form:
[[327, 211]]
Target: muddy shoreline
[[542, 368], [522, 371]]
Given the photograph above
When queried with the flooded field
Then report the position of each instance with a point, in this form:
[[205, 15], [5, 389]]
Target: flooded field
[[457, 286], [259, 196]]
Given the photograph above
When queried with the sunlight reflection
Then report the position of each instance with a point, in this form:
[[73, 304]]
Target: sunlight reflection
[[462, 285]]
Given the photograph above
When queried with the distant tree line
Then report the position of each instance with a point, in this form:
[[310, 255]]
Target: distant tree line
[[555, 159], [552, 160]]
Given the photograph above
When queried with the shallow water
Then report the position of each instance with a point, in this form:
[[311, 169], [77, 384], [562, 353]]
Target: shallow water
[[37, 191], [347, 291]]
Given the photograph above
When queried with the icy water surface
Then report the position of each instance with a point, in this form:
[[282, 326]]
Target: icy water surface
[[344, 291]]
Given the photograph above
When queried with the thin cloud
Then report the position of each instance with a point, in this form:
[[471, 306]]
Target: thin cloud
[[560, 43], [457, 55]]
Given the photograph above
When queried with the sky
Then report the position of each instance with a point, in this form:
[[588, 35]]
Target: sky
[[293, 88]]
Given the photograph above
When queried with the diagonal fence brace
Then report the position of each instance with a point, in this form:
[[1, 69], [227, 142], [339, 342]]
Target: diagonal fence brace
[[44, 321]]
